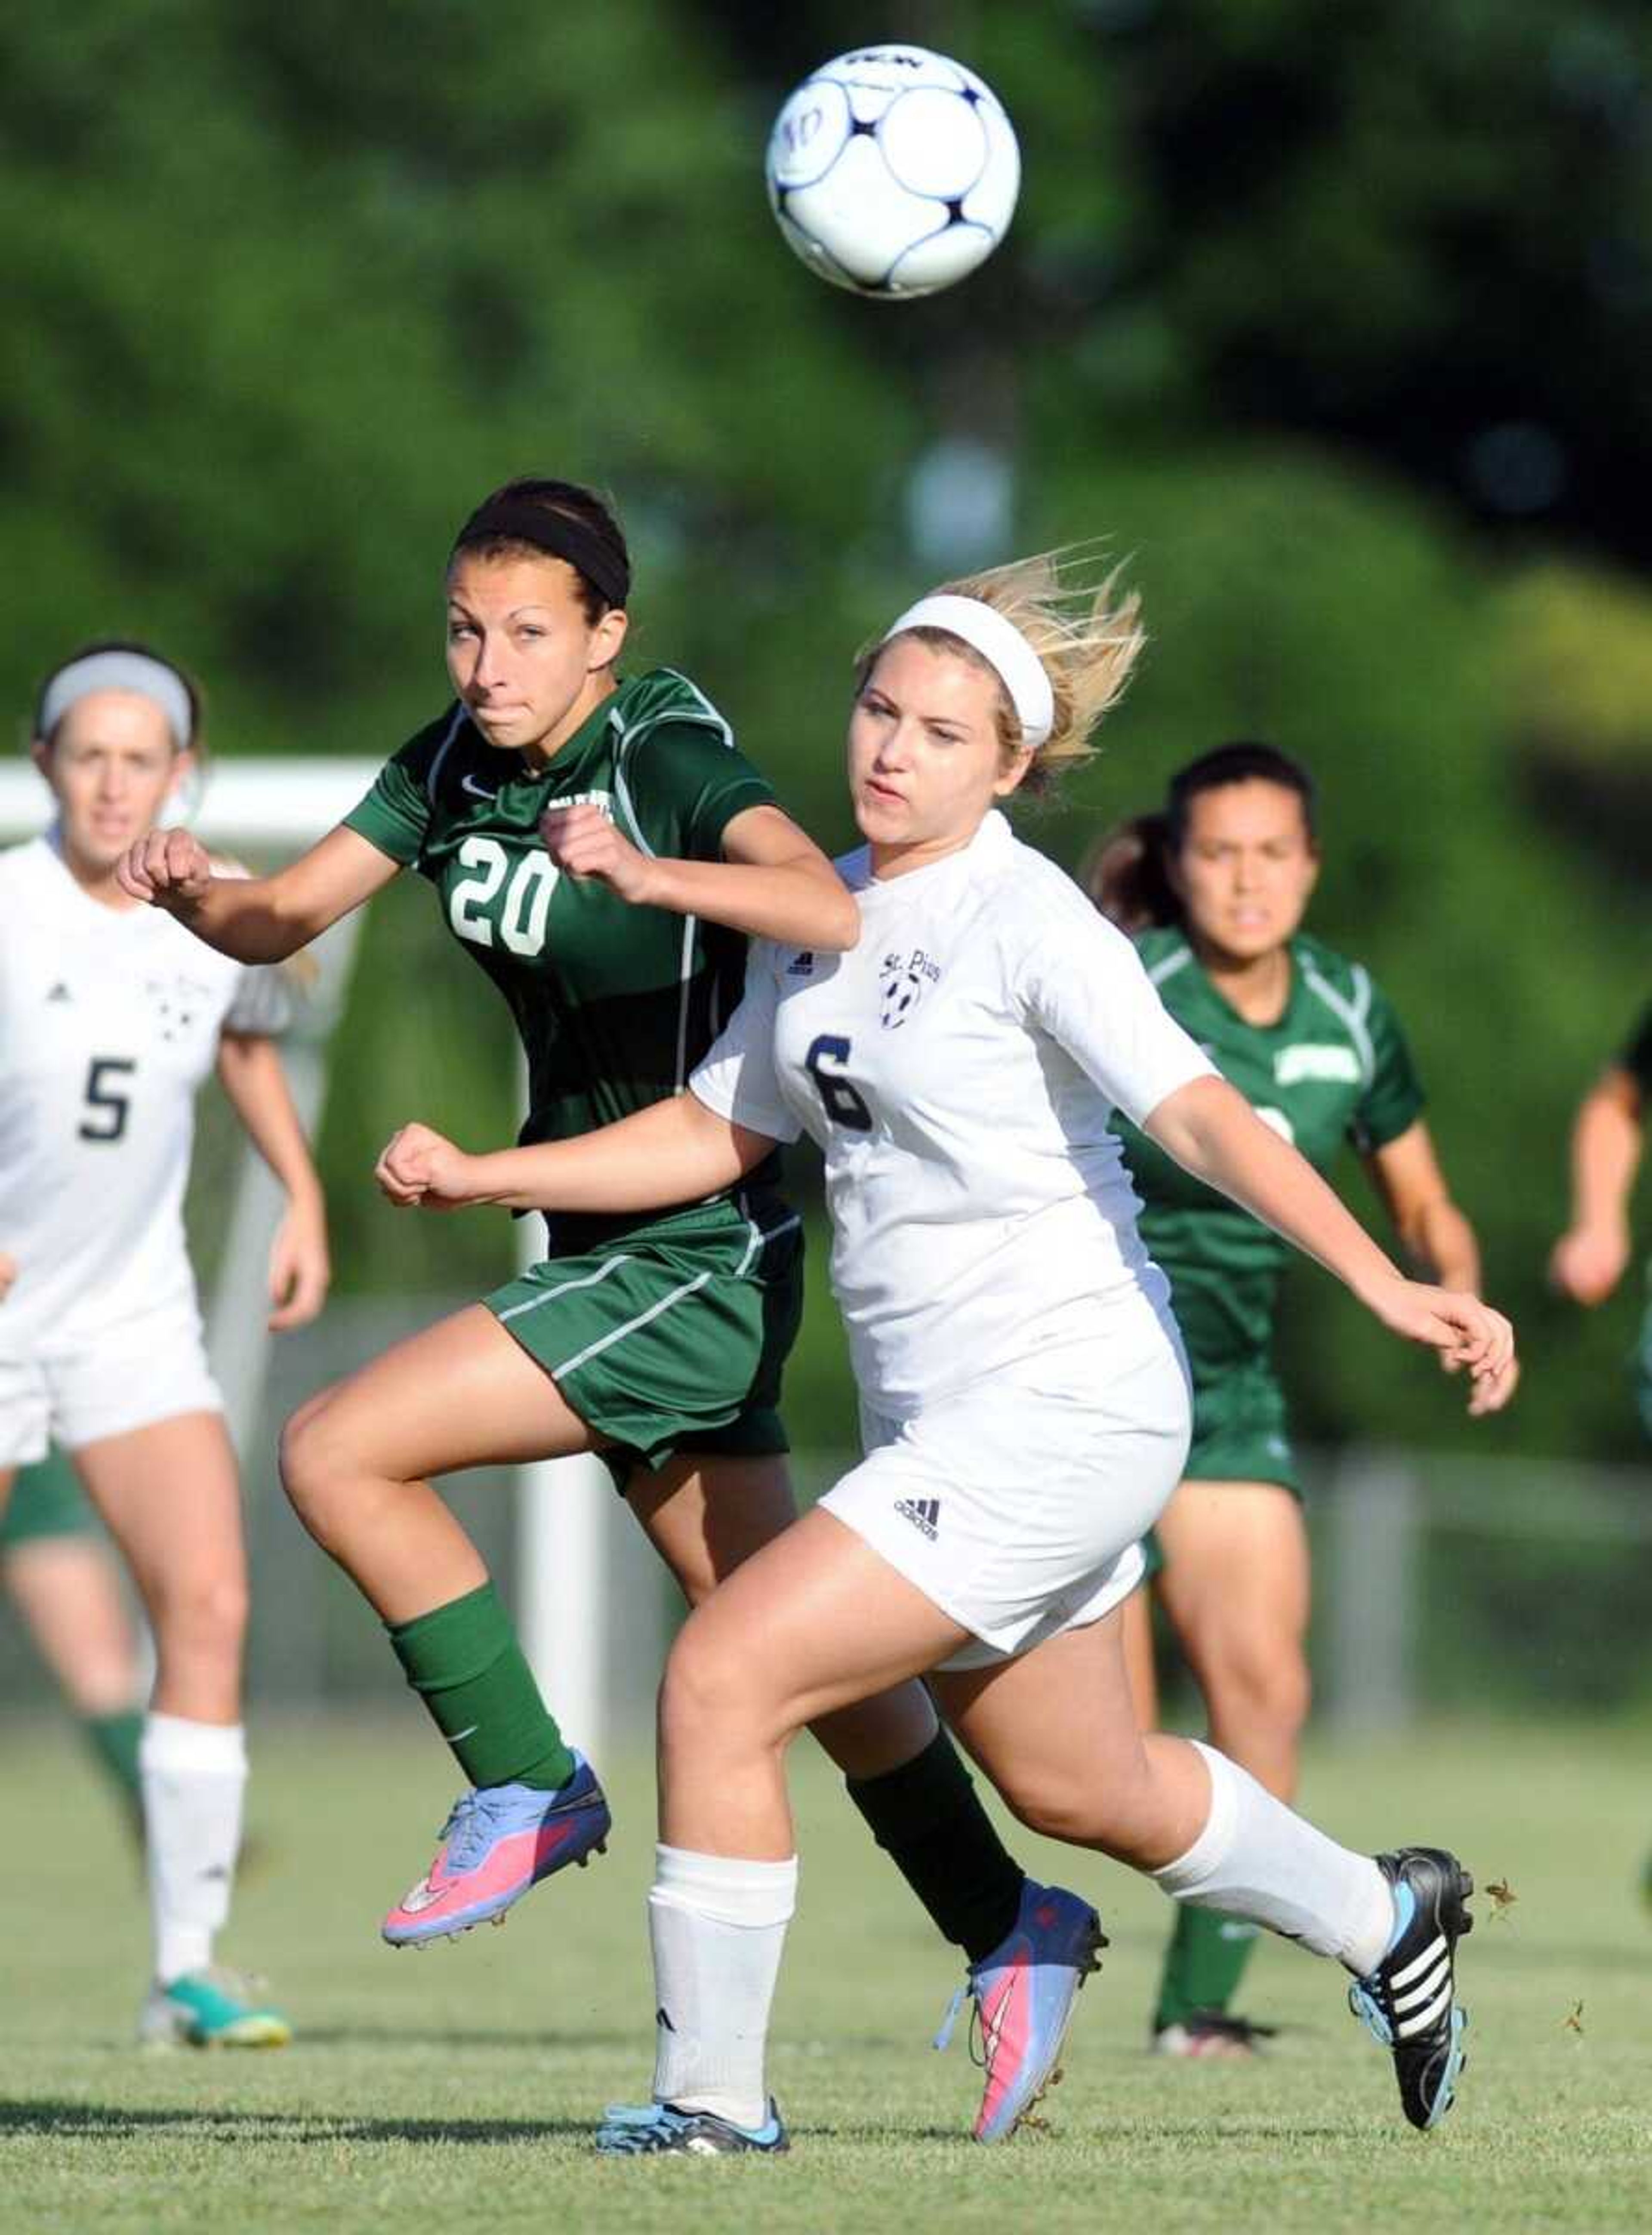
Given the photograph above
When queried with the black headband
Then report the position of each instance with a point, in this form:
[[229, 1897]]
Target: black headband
[[516, 520]]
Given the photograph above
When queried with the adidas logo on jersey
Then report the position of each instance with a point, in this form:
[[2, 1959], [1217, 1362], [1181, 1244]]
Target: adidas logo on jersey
[[802, 964], [922, 1512]]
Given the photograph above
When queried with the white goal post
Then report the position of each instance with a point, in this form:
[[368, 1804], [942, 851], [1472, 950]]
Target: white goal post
[[568, 1515]]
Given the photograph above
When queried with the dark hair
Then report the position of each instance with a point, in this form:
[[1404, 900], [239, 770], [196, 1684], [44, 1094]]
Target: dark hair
[[1245, 761], [1125, 872], [195, 742], [577, 526]]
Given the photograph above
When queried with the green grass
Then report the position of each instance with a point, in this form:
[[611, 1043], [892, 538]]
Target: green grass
[[455, 2089]]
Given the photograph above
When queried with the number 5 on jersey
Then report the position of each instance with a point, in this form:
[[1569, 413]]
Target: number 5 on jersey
[[827, 1054]]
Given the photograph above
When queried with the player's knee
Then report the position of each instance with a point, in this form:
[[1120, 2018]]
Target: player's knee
[[203, 1618], [1264, 1678], [707, 1691], [310, 1466]]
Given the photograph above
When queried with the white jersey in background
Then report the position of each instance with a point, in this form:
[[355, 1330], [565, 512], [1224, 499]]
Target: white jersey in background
[[958, 1069], [109, 1020]]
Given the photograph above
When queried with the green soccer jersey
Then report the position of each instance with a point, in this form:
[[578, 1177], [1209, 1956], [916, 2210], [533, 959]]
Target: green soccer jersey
[[1334, 1068], [614, 1004]]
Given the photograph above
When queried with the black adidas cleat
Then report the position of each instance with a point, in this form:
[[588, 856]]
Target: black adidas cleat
[[1409, 2002], [639, 2130]]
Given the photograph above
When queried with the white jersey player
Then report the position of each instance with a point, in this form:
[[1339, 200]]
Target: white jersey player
[[1026, 1404], [110, 1017]]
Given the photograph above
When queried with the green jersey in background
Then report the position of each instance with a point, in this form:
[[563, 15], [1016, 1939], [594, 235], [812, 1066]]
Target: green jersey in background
[[1336, 1068]]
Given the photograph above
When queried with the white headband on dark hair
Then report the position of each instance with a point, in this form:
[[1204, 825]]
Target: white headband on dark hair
[[121, 671], [1004, 648]]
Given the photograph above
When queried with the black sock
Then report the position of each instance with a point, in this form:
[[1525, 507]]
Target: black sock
[[928, 1817]]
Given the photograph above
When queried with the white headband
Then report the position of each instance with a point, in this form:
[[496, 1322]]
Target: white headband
[[120, 671], [1005, 649]]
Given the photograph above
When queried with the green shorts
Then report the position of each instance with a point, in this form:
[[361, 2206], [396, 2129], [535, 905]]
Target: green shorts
[[1241, 1433], [46, 1500], [1242, 1430], [671, 1335]]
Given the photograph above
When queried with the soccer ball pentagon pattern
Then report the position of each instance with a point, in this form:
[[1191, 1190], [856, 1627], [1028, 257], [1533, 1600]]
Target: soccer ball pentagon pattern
[[893, 172]]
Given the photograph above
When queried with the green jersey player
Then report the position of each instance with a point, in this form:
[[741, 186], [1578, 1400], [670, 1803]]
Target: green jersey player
[[599, 847], [1215, 887], [1590, 1257]]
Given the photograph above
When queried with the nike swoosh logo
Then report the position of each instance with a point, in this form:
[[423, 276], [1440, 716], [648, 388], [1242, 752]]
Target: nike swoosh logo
[[469, 1733], [467, 782]]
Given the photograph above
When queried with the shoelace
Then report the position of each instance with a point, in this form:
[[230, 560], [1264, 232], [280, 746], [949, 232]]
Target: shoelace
[[977, 2046], [468, 1830]]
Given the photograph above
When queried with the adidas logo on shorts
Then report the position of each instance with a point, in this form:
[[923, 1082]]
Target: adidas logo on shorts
[[922, 1512]]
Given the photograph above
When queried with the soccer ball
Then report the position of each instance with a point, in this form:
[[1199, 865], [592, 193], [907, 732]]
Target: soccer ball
[[893, 172]]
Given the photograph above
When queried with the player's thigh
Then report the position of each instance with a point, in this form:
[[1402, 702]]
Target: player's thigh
[[1235, 1575], [706, 1512], [812, 1623], [170, 1498], [460, 1393], [1055, 1727]]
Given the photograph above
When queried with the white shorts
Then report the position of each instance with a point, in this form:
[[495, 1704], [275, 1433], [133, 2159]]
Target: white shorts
[[146, 1370], [1017, 1506]]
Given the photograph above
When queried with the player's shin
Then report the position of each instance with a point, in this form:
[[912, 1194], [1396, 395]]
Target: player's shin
[[718, 1926], [927, 1818], [464, 1662], [1258, 1859], [194, 1775]]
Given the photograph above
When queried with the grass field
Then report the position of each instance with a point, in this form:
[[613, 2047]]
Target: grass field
[[455, 2088]]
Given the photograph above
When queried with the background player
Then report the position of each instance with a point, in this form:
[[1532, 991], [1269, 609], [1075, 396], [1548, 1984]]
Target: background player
[[110, 1017], [1589, 1258], [1226, 870], [1024, 1399], [657, 1342], [58, 1574]]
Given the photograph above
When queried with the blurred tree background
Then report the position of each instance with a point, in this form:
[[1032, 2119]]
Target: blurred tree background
[[1332, 323]]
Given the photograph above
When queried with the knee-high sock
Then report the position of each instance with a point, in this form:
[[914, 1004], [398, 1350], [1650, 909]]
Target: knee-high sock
[[1257, 1859], [194, 1778], [718, 1926]]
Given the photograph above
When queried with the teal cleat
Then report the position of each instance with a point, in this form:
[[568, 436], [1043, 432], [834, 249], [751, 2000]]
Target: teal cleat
[[639, 2130], [214, 2009]]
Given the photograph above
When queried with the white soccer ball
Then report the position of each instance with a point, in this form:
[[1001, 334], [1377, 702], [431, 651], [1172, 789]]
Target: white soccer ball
[[893, 172]]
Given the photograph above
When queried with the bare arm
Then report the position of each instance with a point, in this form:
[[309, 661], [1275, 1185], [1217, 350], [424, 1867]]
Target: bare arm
[[773, 882], [1589, 1257], [255, 919], [675, 1151], [1432, 1229], [1210, 1128], [249, 1069]]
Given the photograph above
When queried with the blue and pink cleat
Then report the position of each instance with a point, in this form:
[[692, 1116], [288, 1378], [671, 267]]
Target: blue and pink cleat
[[1024, 1993], [498, 1841]]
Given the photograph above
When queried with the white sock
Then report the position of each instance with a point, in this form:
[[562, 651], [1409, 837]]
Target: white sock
[[718, 1926], [193, 1777], [1257, 1859]]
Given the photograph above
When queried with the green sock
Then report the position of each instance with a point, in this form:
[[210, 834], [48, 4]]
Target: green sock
[[1202, 1964], [113, 1740], [463, 1661]]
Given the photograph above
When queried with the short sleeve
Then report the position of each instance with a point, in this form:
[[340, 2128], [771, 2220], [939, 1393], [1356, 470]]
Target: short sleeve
[[687, 783], [737, 1079], [263, 1003], [1392, 1100], [395, 814], [1083, 982], [1637, 1058]]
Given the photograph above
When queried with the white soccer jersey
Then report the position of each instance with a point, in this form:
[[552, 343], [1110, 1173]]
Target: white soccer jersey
[[109, 1020], [958, 1069]]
